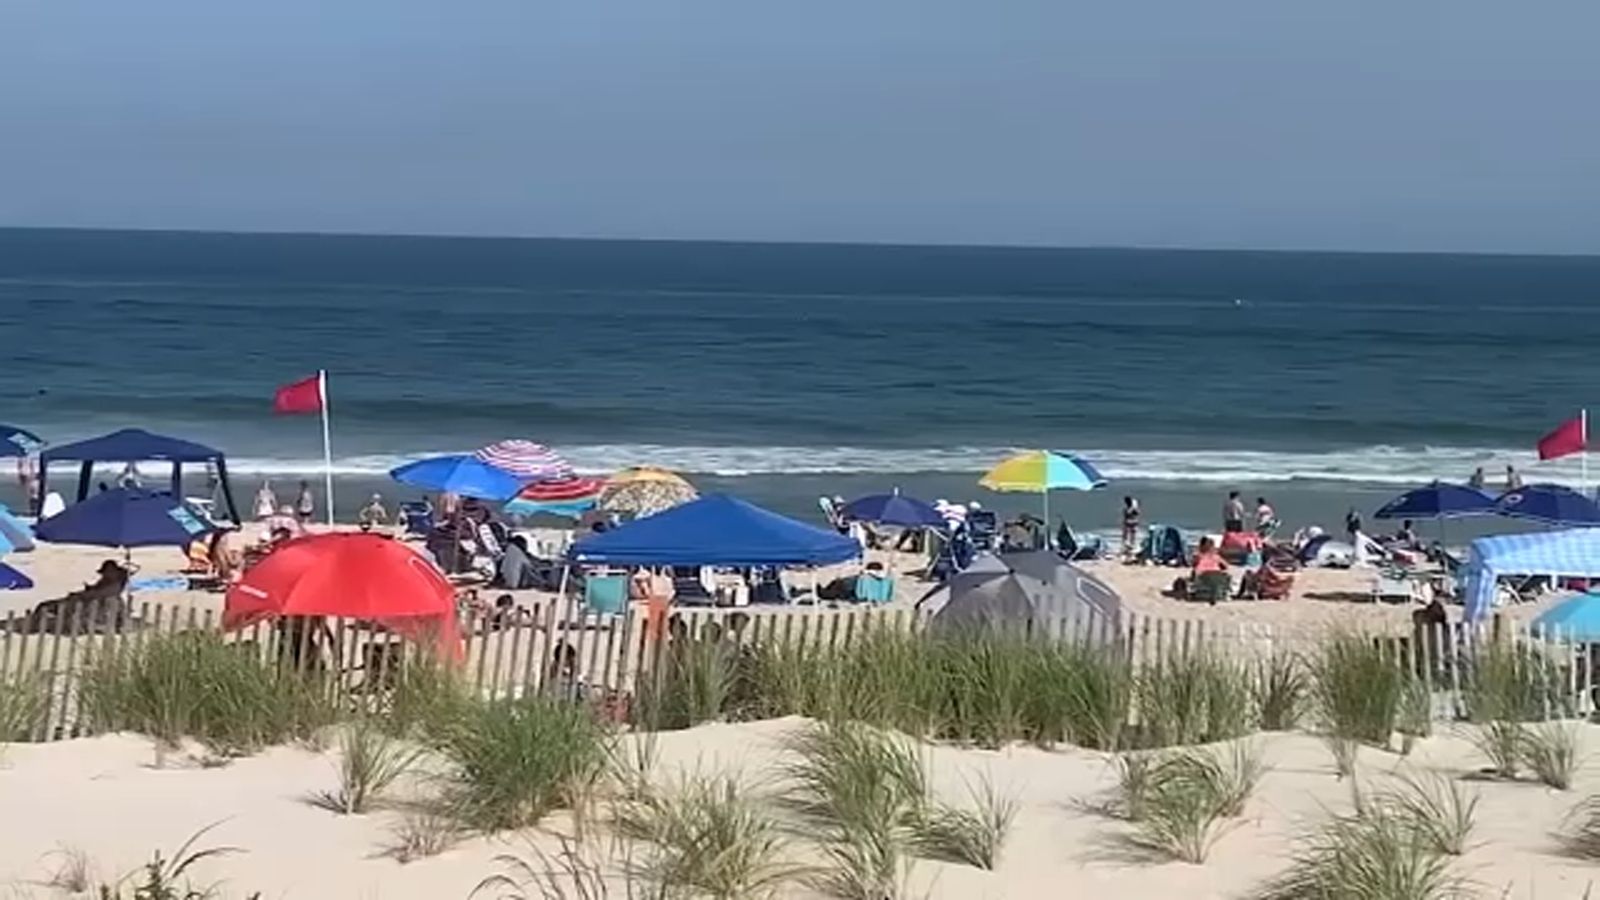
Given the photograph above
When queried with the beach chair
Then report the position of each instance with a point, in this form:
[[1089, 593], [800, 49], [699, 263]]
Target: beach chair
[[1163, 546], [1074, 547], [605, 594], [1210, 587], [983, 529], [872, 587], [688, 589], [417, 516], [1392, 585]]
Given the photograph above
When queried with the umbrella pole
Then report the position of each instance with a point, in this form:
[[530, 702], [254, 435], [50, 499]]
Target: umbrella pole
[[1046, 493]]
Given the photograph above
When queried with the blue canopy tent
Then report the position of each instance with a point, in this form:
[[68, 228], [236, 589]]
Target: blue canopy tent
[[715, 530], [134, 445], [1573, 553]]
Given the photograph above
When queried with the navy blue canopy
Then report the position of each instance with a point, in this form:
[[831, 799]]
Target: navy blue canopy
[[131, 445], [715, 530], [893, 509], [1437, 501], [126, 517], [1551, 504], [16, 441]]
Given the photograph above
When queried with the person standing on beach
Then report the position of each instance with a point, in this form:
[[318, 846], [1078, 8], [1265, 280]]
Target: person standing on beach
[[28, 479], [266, 501], [305, 505], [1476, 482], [1233, 513], [1266, 518], [1130, 527], [1513, 480]]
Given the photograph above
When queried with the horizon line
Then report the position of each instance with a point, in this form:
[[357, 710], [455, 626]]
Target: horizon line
[[767, 242]]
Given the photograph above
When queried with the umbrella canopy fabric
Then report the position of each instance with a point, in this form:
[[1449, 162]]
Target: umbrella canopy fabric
[[132, 445], [569, 497], [13, 580], [1437, 501], [1572, 553], [715, 530], [462, 474], [1551, 504], [16, 441], [1022, 591], [1576, 617], [645, 491], [526, 460], [893, 509], [351, 574], [127, 517], [1038, 471], [15, 535]]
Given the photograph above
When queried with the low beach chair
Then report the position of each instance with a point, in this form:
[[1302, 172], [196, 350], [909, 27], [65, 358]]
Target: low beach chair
[[1210, 587], [872, 587], [1393, 585], [605, 594]]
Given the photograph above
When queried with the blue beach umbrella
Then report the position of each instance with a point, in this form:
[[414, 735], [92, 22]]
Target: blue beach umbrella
[[1437, 501], [462, 474], [1551, 504], [127, 517], [1576, 617], [893, 509], [16, 441], [13, 580]]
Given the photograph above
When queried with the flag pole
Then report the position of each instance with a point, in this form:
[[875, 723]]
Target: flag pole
[[1583, 452], [327, 443]]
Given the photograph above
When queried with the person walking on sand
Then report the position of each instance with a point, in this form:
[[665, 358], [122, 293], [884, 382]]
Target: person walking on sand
[[266, 501], [1233, 513], [305, 505], [1130, 527]]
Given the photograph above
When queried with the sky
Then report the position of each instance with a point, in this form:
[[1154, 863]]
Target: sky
[[1425, 125]]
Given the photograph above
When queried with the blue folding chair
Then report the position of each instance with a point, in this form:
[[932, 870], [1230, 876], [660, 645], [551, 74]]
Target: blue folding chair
[[605, 594], [872, 588]]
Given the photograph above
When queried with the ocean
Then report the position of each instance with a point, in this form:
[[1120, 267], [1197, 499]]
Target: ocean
[[1321, 380]]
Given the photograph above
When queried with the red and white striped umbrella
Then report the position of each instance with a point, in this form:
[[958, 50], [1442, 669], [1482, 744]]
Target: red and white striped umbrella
[[526, 460]]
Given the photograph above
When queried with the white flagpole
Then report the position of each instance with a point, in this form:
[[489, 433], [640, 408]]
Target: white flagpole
[[1583, 452], [327, 444]]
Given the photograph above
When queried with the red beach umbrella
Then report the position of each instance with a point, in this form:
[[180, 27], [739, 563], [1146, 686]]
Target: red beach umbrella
[[349, 574]]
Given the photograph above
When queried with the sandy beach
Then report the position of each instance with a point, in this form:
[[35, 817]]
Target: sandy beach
[[106, 799]]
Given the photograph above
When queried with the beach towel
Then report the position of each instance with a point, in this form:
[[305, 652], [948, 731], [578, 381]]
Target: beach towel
[[159, 583]]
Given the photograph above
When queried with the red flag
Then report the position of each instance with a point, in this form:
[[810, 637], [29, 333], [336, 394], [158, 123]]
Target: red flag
[[303, 396], [1571, 436]]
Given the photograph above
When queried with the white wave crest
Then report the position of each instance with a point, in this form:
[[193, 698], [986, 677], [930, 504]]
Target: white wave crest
[[1377, 465]]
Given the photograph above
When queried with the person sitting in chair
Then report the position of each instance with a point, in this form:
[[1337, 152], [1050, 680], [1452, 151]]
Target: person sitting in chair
[[95, 604], [1208, 579]]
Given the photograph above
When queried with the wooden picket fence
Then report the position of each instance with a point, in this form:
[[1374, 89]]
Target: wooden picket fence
[[556, 645]]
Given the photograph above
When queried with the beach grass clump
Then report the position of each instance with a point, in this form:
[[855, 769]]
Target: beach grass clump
[[1074, 693], [578, 870], [23, 698], [167, 878], [985, 687], [1502, 742], [1580, 833], [1188, 796], [972, 835], [711, 838], [1357, 688], [886, 678], [1192, 698], [195, 685], [863, 789], [425, 829], [1551, 751], [1377, 853], [1509, 682], [370, 762], [429, 699], [1416, 714], [1279, 691], [1439, 810], [515, 761], [1346, 751], [692, 683]]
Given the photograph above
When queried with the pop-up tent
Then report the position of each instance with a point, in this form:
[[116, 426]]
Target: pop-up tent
[[134, 445], [715, 530], [1573, 553], [1022, 592]]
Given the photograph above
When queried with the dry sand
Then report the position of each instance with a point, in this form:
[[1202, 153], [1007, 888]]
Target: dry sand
[[106, 798]]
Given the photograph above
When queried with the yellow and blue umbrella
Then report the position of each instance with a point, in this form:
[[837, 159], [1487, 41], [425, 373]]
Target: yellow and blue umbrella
[[1043, 471]]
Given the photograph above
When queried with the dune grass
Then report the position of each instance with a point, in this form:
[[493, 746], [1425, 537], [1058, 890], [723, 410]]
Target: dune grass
[[1551, 750], [429, 699], [972, 835], [1180, 801], [1279, 691], [1440, 811], [1192, 698], [197, 686], [1580, 833], [1502, 743], [1357, 688], [370, 761], [23, 698], [576, 871], [692, 682], [711, 838], [514, 761], [1379, 853]]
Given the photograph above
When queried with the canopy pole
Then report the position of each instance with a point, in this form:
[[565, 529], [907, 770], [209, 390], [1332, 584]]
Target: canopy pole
[[327, 444]]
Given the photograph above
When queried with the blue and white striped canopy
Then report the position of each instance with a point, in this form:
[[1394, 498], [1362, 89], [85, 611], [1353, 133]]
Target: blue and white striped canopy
[[1574, 553]]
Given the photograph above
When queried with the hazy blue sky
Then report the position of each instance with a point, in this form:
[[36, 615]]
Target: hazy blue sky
[[1429, 124]]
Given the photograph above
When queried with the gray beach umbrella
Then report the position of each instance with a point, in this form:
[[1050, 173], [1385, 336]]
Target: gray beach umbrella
[[1022, 592]]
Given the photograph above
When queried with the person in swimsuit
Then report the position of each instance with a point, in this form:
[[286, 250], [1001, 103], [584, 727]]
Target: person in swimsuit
[[1130, 527], [1233, 513]]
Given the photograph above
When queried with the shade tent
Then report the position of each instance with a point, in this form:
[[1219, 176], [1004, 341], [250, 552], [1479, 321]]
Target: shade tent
[[715, 530], [1022, 592], [1573, 553], [135, 445]]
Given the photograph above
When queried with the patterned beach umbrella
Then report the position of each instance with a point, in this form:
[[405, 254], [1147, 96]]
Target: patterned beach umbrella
[[526, 460], [645, 490], [16, 441], [1043, 471], [561, 497]]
